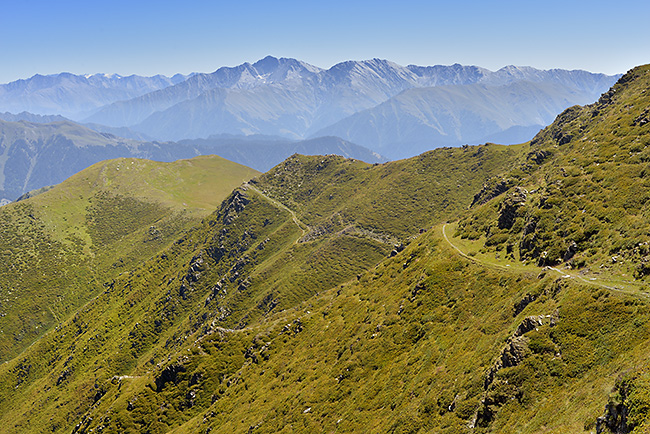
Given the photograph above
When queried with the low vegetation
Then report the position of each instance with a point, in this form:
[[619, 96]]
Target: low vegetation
[[59, 248], [581, 196], [324, 296]]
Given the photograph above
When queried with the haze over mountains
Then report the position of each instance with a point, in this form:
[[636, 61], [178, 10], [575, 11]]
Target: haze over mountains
[[76, 96], [477, 289], [411, 121], [34, 154], [420, 107]]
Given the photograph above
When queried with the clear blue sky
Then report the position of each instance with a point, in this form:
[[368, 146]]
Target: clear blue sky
[[150, 37]]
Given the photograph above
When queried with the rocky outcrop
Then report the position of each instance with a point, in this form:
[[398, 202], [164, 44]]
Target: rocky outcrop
[[521, 304], [538, 156], [169, 374], [615, 419], [642, 119], [497, 391], [516, 348], [233, 206], [570, 251], [491, 189], [528, 241], [508, 209]]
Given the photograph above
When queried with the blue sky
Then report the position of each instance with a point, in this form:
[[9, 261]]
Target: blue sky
[[150, 37]]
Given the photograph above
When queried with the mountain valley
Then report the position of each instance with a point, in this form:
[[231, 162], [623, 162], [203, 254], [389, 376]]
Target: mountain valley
[[297, 281]]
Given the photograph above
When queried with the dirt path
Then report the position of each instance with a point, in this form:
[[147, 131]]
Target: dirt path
[[565, 274], [303, 227]]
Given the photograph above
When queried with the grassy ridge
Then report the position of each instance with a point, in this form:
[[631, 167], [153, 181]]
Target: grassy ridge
[[244, 263], [581, 198], [58, 248], [398, 197], [292, 309]]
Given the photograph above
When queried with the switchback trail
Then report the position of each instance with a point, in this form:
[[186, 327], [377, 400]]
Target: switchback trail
[[303, 227]]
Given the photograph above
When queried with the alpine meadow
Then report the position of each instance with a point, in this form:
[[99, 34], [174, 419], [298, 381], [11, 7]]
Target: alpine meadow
[[276, 247]]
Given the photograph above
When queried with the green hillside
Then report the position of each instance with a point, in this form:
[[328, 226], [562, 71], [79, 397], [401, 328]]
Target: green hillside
[[58, 249], [263, 251], [581, 198], [329, 295]]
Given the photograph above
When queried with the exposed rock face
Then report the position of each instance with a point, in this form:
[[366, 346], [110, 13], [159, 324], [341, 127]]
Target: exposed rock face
[[521, 304], [570, 251], [169, 374], [233, 205], [509, 207], [538, 156], [528, 324], [614, 421], [497, 391], [528, 239], [642, 119], [490, 190]]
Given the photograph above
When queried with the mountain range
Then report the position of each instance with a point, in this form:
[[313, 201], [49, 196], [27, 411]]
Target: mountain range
[[77, 96], [421, 106], [475, 289], [291, 98], [409, 123], [34, 155]]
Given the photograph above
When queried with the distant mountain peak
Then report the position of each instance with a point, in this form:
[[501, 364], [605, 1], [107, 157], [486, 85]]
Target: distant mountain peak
[[76, 96], [267, 64]]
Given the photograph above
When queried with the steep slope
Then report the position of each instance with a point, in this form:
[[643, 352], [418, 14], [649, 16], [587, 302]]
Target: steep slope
[[75, 96], [59, 247], [581, 198], [423, 118], [425, 341], [250, 259]]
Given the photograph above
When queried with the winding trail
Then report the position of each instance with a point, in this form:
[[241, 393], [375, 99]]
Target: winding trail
[[565, 274], [303, 227]]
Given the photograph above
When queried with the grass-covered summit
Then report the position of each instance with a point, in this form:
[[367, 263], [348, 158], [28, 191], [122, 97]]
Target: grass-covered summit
[[57, 249]]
